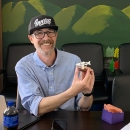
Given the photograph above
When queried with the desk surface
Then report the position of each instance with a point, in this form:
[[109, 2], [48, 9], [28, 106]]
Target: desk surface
[[90, 120]]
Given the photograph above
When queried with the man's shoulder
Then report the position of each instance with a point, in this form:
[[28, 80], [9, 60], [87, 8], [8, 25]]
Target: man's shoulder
[[68, 54], [25, 59]]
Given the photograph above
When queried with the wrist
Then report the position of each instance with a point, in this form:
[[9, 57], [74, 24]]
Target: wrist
[[88, 94]]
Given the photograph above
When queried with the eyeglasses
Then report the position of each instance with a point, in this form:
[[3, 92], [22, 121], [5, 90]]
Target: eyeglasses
[[40, 35]]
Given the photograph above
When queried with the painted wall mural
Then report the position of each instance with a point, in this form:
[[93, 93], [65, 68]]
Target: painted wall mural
[[101, 22]]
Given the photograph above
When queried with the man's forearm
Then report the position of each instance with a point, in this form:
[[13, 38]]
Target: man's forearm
[[48, 104], [85, 102]]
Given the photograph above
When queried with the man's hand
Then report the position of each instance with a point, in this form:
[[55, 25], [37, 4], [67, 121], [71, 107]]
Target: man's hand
[[83, 83], [90, 80]]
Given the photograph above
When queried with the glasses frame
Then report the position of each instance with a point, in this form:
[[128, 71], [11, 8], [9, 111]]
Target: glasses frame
[[43, 33]]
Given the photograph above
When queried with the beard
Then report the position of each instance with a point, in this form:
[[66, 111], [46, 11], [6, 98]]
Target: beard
[[45, 42]]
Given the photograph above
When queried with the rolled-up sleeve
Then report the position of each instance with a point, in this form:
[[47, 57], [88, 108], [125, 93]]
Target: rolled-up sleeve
[[78, 97], [29, 89]]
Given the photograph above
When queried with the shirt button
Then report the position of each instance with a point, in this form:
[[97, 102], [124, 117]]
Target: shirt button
[[50, 86], [50, 73]]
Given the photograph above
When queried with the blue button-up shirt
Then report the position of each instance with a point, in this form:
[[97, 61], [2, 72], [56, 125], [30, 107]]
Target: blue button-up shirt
[[36, 80]]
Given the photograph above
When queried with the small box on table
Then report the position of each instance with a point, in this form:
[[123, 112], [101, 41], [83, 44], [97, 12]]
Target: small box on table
[[112, 118]]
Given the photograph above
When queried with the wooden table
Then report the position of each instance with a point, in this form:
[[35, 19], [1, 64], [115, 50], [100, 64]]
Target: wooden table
[[90, 120]]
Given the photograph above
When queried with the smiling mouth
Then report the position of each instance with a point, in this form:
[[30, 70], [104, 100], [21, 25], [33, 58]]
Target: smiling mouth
[[46, 44]]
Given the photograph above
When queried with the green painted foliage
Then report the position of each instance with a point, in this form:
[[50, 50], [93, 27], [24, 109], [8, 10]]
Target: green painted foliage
[[13, 17], [99, 18], [68, 16], [127, 11], [38, 6], [93, 21], [109, 52], [50, 8], [104, 24], [111, 66]]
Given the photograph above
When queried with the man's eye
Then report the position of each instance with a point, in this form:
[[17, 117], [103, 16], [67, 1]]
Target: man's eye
[[39, 33]]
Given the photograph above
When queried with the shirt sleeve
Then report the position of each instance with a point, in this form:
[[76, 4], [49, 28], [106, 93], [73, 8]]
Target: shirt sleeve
[[78, 97], [29, 89]]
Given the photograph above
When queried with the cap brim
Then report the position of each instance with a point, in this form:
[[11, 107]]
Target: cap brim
[[49, 26]]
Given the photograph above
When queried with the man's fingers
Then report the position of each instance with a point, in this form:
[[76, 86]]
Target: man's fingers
[[87, 72], [76, 73]]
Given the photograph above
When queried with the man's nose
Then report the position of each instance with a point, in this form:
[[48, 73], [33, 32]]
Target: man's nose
[[45, 36]]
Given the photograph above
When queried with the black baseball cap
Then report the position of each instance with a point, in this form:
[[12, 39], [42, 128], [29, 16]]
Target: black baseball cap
[[41, 21]]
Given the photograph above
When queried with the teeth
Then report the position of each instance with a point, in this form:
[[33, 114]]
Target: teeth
[[46, 44]]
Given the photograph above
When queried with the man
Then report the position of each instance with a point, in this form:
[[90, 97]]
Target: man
[[48, 79]]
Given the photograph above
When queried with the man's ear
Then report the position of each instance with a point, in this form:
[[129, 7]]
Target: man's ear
[[56, 34], [30, 38]]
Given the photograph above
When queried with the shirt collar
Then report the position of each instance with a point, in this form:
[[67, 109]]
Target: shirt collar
[[40, 63]]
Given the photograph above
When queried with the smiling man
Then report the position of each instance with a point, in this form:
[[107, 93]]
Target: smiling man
[[48, 79]]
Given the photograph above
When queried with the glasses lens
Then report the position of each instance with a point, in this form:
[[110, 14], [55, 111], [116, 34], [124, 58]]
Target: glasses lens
[[39, 35], [51, 33]]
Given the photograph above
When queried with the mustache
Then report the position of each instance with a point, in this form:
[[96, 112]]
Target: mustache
[[46, 41]]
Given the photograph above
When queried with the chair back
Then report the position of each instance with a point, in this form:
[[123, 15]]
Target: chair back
[[121, 92], [14, 53], [124, 60]]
